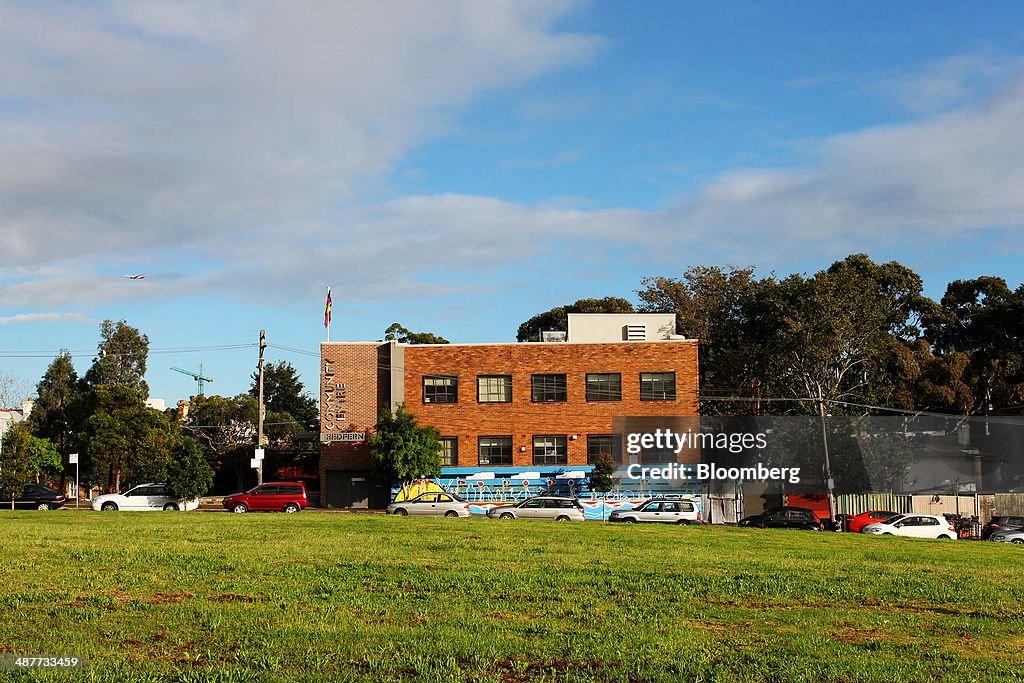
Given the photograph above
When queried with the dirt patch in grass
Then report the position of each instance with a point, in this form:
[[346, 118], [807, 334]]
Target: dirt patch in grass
[[169, 598], [237, 597]]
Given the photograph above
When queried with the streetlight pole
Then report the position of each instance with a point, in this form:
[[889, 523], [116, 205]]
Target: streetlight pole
[[261, 410]]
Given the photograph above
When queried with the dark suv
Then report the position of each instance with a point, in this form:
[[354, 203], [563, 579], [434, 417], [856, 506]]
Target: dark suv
[[784, 518], [33, 497], [1002, 523], [274, 496]]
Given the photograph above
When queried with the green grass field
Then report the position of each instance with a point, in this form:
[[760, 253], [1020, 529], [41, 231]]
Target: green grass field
[[220, 597]]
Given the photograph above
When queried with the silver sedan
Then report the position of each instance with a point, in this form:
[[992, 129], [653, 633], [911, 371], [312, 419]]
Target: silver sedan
[[542, 507], [431, 505], [1011, 536]]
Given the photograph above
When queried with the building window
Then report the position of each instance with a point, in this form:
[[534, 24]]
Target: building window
[[494, 388], [549, 450], [657, 386], [449, 451], [440, 389], [604, 443], [604, 386], [548, 388], [495, 450], [652, 456]]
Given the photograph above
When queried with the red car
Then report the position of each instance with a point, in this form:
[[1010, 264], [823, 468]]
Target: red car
[[856, 524], [274, 496]]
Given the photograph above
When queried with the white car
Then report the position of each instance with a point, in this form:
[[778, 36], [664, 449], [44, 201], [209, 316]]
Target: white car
[[659, 510], [916, 526], [1010, 536], [143, 497]]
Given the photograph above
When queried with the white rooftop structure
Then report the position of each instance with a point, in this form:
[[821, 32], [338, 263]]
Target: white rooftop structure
[[587, 328]]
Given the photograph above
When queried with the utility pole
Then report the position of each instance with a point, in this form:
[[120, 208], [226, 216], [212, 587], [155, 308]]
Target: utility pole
[[828, 467], [261, 410]]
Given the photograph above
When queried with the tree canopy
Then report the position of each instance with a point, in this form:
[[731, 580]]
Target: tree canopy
[[289, 408], [557, 319], [122, 358], [404, 450], [397, 332]]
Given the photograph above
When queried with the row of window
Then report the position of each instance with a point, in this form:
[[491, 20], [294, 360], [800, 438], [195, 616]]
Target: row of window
[[550, 388], [547, 449]]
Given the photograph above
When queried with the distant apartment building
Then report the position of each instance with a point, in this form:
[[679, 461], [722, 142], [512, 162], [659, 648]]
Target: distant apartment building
[[538, 409]]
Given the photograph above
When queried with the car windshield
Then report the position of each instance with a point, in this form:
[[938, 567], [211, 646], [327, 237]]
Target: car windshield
[[893, 520]]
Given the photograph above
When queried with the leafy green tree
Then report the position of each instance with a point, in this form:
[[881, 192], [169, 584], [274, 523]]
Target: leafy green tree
[[557, 319], [396, 332], [124, 439], [404, 450], [58, 413], [226, 429], [23, 458], [601, 476], [289, 408], [122, 358], [718, 306], [188, 474]]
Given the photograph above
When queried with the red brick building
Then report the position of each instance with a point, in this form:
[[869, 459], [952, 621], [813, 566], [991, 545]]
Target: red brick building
[[502, 408]]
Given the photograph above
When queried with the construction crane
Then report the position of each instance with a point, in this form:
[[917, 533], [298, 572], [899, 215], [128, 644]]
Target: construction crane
[[197, 376]]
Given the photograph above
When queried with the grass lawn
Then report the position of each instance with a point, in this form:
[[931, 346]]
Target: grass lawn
[[220, 597]]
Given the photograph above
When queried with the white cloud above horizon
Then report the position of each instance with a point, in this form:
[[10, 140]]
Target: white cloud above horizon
[[255, 146]]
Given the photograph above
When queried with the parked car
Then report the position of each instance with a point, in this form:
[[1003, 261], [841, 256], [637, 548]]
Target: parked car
[[273, 496], [858, 522], [143, 497], [659, 510], [561, 509], [1011, 536], [33, 497], [784, 518], [433, 504], [913, 525], [1002, 523]]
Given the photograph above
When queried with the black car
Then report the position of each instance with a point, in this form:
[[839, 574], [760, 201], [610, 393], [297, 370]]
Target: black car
[[784, 518], [1002, 523], [33, 497]]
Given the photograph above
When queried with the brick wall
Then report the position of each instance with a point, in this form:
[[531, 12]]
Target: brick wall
[[350, 400], [522, 419]]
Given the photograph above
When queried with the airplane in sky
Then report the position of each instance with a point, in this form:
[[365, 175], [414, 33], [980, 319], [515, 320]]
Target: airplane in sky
[[140, 276]]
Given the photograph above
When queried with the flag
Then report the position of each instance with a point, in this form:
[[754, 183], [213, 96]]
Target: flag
[[327, 309]]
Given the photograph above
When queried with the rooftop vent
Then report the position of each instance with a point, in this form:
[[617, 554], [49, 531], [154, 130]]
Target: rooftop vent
[[553, 336], [634, 332]]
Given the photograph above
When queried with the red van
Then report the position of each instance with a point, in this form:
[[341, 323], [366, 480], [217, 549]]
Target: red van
[[273, 496]]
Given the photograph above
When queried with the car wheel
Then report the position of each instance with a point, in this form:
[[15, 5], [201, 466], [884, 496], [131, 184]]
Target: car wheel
[[43, 506], [170, 506], [561, 518], [887, 533], [683, 522], [402, 512], [944, 537], [291, 507], [630, 520], [451, 513], [1018, 541], [507, 515], [108, 507], [239, 508]]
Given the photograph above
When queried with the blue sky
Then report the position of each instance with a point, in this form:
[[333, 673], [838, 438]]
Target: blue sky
[[458, 167]]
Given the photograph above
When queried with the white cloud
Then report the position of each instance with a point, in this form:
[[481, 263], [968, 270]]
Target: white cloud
[[23, 318], [148, 125]]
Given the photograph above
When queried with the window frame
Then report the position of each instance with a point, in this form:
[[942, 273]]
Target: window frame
[[479, 394], [453, 391], [480, 445], [652, 397], [563, 459], [564, 388], [616, 449], [454, 440], [596, 399]]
